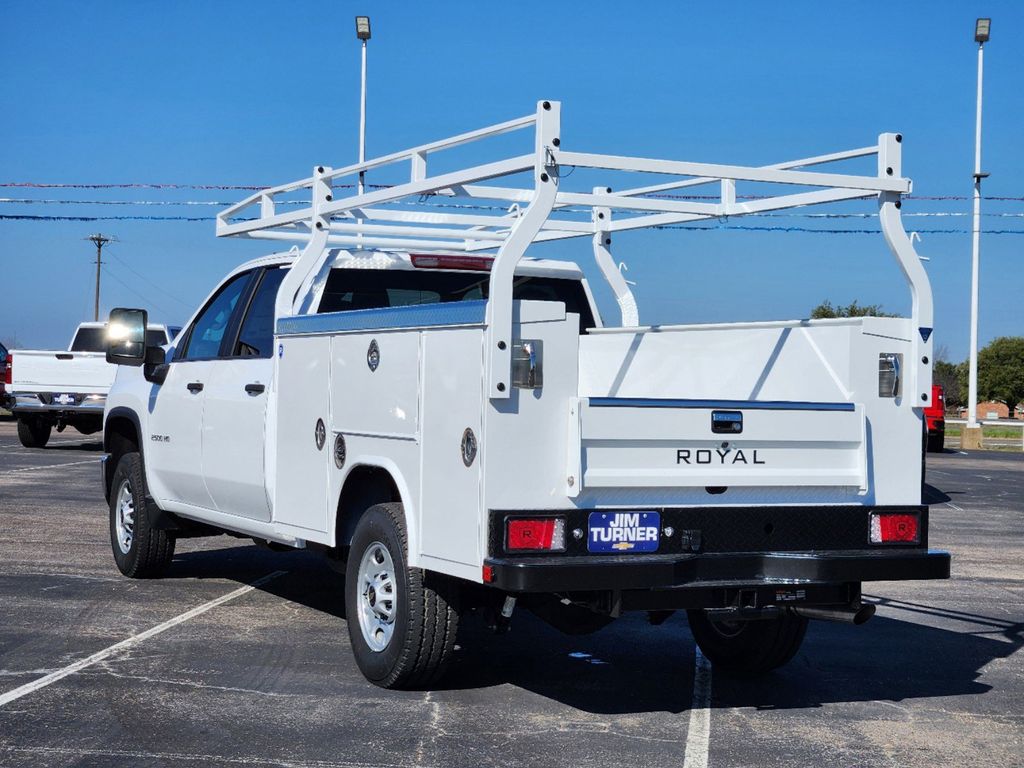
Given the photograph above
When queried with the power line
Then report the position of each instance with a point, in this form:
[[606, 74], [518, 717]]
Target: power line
[[256, 187], [145, 279], [215, 203], [959, 231], [148, 301]]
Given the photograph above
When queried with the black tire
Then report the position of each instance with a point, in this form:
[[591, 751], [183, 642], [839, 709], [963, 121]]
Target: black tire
[[149, 551], [424, 607], [937, 441], [33, 433], [748, 648]]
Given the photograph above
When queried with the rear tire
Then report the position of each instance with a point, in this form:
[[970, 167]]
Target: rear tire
[[937, 441], [33, 433], [140, 550], [748, 648], [402, 621]]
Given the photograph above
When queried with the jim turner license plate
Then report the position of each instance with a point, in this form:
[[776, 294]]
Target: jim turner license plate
[[623, 531]]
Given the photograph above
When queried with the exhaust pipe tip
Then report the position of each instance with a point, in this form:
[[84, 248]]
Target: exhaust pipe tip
[[852, 615], [863, 614]]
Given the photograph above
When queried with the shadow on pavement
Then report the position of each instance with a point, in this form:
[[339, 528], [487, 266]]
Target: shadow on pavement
[[631, 667], [887, 659], [92, 447]]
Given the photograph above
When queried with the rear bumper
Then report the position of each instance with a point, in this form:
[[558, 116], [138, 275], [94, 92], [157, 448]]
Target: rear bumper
[[585, 573], [84, 404]]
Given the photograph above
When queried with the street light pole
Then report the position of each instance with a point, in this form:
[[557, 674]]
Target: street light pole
[[363, 33], [981, 35]]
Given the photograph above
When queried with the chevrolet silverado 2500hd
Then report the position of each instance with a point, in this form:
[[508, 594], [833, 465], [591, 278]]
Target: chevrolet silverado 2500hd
[[452, 422], [61, 388]]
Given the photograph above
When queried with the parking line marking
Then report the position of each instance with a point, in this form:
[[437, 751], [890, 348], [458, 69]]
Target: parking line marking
[[106, 653], [699, 733], [51, 466]]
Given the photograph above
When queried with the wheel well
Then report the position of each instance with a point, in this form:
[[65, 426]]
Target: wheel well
[[364, 487], [120, 436]]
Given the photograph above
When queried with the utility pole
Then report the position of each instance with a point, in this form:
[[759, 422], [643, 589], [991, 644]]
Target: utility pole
[[971, 437], [100, 241]]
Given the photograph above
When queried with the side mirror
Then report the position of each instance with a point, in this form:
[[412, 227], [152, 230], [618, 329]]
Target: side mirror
[[126, 336], [156, 367]]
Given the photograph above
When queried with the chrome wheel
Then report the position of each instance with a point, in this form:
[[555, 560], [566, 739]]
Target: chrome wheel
[[124, 517], [377, 596]]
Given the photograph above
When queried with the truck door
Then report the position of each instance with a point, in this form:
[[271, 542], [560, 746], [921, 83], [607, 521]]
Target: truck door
[[235, 411], [175, 444]]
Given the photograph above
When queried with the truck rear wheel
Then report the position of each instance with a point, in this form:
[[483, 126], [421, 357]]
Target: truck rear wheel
[[937, 441], [33, 433], [747, 648], [402, 621], [140, 550]]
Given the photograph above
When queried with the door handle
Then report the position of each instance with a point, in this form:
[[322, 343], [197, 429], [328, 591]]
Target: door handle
[[195, 387], [254, 389]]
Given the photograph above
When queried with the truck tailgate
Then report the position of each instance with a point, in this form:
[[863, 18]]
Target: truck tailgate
[[51, 371], [626, 443]]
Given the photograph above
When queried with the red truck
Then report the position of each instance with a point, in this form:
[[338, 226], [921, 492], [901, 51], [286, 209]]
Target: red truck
[[935, 419]]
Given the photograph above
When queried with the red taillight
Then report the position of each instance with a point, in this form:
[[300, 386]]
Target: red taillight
[[535, 534], [894, 529], [9, 373], [488, 574], [451, 261]]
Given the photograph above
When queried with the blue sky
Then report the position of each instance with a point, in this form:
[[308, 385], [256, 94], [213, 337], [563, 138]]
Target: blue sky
[[258, 92]]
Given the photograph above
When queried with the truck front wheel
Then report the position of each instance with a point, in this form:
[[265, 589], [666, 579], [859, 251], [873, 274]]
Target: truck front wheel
[[140, 550], [402, 621], [33, 432], [747, 648]]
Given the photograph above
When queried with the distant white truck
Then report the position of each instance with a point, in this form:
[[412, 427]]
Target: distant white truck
[[62, 388], [455, 426]]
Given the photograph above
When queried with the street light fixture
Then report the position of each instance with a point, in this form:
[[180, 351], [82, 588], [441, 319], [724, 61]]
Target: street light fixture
[[972, 431], [363, 27], [981, 30]]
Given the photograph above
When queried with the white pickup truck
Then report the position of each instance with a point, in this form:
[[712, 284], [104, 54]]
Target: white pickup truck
[[62, 388], [453, 423]]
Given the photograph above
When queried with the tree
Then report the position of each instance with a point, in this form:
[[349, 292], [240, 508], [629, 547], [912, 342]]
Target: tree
[[826, 310], [947, 376], [1001, 371]]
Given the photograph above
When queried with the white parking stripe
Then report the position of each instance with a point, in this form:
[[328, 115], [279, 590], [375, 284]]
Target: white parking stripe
[[51, 466], [71, 669], [699, 732]]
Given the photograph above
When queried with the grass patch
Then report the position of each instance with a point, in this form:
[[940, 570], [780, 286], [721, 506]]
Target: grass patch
[[1004, 433]]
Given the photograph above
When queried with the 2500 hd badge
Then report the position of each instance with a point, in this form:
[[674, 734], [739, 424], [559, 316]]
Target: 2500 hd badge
[[716, 456]]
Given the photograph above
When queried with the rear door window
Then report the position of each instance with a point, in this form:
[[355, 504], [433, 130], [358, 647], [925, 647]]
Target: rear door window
[[351, 289], [256, 338]]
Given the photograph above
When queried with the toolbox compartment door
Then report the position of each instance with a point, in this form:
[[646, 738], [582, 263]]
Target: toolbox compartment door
[[631, 443]]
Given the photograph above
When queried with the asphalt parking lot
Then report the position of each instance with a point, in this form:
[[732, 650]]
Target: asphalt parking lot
[[265, 676]]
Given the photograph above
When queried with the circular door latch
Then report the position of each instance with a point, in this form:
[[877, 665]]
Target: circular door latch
[[320, 434], [373, 355], [339, 451], [468, 447]]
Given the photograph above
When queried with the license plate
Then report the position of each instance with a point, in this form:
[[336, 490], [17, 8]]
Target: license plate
[[619, 532], [64, 399]]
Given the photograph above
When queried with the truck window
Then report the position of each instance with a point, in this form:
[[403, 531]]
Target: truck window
[[256, 338], [207, 332], [90, 340], [350, 289]]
